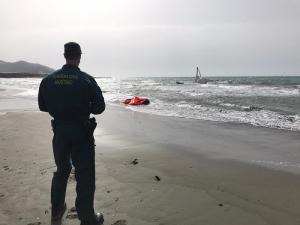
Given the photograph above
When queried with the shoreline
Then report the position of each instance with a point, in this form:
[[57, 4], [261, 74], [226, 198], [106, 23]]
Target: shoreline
[[228, 124], [262, 146]]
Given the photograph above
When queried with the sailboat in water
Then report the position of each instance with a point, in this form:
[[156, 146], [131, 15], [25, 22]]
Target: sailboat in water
[[199, 79]]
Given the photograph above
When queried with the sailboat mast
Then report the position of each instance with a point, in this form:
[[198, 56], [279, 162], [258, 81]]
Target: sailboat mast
[[198, 73]]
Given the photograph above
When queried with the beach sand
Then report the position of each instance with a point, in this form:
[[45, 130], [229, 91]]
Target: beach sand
[[153, 170]]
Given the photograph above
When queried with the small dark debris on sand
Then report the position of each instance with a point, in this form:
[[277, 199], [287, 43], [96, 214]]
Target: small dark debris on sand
[[220, 204], [1, 195], [120, 222], [108, 191], [157, 178], [134, 162], [5, 167], [36, 223]]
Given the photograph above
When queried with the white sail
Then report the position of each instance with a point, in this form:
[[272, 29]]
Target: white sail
[[199, 79], [197, 75]]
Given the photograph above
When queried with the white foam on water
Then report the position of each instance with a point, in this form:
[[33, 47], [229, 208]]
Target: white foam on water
[[263, 118], [289, 166], [25, 86]]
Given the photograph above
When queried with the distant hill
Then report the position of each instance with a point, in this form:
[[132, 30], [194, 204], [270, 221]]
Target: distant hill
[[24, 67]]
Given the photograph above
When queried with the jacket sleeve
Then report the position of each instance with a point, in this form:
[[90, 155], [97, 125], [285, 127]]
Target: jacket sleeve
[[96, 98], [41, 97]]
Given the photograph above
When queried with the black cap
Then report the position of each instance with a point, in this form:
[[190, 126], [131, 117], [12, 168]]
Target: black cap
[[72, 49]]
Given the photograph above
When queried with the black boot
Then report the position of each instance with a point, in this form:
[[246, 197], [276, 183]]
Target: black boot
[[97, 220], [58, 212]]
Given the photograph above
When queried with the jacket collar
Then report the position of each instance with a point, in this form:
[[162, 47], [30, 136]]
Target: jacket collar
[[70, 67]]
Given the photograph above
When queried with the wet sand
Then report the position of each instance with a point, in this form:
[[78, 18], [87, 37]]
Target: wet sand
[[154, 170]]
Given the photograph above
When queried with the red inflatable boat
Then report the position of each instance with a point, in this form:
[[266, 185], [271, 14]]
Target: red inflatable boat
[[136, 101]]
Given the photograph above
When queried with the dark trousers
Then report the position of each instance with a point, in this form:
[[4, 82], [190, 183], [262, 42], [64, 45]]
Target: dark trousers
[[71, 145]]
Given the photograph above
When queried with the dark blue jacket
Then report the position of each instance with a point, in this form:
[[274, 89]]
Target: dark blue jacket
[[70, 94]]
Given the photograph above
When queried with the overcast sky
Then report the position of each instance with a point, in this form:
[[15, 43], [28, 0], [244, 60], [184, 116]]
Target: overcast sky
[[156, 37]]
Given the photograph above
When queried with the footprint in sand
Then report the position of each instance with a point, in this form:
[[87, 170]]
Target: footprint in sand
[[120, 222]]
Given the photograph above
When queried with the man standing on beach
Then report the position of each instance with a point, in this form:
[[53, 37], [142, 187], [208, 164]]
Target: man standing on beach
[[70, 96]]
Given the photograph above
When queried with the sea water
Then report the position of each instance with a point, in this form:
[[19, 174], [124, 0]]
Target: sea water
[[261, 101]]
